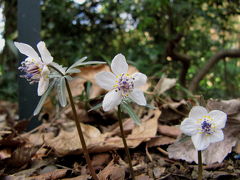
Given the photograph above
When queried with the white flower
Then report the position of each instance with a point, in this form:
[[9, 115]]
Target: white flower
[[120, 84], [36, 68], [203, 127]]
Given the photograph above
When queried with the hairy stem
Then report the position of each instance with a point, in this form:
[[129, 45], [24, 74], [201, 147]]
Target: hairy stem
[[200, 166], [125, 142], [80, 133]]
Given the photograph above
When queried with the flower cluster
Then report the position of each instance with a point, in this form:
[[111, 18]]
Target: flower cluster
[[35, 67], [204, 127], [120, 84]]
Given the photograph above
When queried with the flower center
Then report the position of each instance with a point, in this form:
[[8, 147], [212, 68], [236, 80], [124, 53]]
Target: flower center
[[124, 83], [32, 70], [207, 125]]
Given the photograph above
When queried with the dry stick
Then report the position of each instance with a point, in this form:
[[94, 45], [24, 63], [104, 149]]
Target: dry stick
[[200, 166], [80, 133], [125, 142]]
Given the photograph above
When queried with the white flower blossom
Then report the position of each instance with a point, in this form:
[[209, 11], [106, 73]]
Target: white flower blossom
[[204, 127], [36, 68], [120, 84]]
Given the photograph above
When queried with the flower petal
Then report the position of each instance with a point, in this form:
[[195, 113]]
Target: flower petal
[[105, 80], [42, 86], [138, 97], [189, 127], [111, 100], [119, 64], [219, 117], [216, 136], [139, 79], [45, 54], [27, 50], [197, 112], [200, 141]]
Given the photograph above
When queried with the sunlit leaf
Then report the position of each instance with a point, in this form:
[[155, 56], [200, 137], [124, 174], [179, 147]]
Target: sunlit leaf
[[62, 92], [43, 98], [128, 109]]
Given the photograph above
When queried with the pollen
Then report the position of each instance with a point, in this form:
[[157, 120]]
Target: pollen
[[125, 84]]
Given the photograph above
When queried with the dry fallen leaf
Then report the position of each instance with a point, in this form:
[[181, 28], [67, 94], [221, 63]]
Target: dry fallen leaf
[[56, 174], [162, 140], [172, 131], [163, 85], [68, 142], [112, 171]]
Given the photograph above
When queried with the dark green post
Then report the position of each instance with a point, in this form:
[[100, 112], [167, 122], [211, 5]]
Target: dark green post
[[29, 24]]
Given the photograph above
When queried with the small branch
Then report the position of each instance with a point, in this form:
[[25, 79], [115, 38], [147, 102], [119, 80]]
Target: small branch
[[234, 53]]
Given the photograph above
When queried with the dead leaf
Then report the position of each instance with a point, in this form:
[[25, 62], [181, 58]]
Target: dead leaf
[[172, 131], [82, 177], [100, 159], [56, 174], [21, 156], [157, 171], [164, 84], [112, 171], [143, 177], [5, 153], [158, 141], [68, 142]]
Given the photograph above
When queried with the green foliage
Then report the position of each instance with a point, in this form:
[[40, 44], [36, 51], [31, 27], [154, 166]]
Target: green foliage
[[142, 30]]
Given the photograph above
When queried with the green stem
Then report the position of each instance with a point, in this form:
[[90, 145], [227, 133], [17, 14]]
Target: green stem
[[80, 133], [200, 166], [125, 142]]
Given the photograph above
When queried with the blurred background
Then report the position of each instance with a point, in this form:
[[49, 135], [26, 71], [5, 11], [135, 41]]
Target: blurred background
[[196, 42]]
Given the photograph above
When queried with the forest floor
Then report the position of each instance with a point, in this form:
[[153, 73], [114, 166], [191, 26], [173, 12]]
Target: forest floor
[[157, 147]]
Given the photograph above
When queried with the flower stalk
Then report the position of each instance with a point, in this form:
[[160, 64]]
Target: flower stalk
[[80, 133], [125, 142], [200, 166]]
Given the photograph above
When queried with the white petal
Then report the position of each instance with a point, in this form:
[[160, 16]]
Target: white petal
[[216, 136], [189, 127], [219, 117], [139, 79], [138, 97], [45, 54], [111, 100], [42, 86], [119, 64], [197, 112], [200, 141], [45, 72], [105, 80], [27, 50]]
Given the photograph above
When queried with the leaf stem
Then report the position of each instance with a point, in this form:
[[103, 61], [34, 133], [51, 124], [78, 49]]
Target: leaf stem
[[80, 133], [125, 142], [200, 166]]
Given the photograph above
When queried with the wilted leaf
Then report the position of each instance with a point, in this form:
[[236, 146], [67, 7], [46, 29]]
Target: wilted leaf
[[162, 140], [163, 85], [57, 174], [172, 131], [69, 143], [112, 171]]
